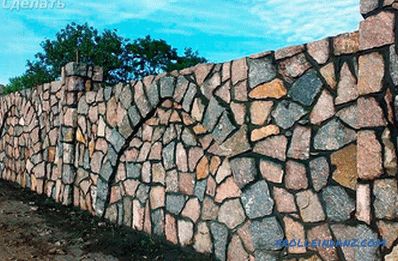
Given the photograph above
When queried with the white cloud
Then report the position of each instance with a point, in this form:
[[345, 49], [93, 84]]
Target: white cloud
[[305, 20]]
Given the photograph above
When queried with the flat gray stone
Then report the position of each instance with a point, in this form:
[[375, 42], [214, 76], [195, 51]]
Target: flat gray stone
[[174, 203], [200, 189], [360, 232], [106, 170], [320, 171], [385, 204], [261, 70], [102, 195], [188, 137], [306, 88], [189, 97], [237, 144], [257, 201], [337, 203], [142, 193], [134, 115], [223, 129], [349, 116], [213, 112], [157, 217], [244, 170], [167, 85], [169, 155], [220, 235], [287, 113], [117, 140], [265, 232], [133, 170], [393, 65], [333, 136], [153, 94], [264, 256]]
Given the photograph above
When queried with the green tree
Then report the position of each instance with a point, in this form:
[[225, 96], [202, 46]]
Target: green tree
[[121, 59], [149, 56]]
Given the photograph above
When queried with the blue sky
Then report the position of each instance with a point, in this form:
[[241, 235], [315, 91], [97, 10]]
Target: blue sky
[[219, 30]]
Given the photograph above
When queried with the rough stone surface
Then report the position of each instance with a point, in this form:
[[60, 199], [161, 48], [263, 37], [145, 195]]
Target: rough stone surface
[[388, 231], [390, 161], [274, 89], [306, 88], [239, 70], [296, 177], [226, 190], [260, 71], [385, 204], [338, 204], [333, 135], [363, 203], [300, 143], [393, 255], [322, 232], [319, 170], [264, 132], [344, 232], [345, 160], [174, 203], [220, 234], [346, 43], [328, 73], [236, 251], [370, 114], [377, 30], [309, 206], [347, 87], [371, 73], [274, 147], [231, 213], [265, 232], [319, 51], [284, 201], [271, 171], [294, 67], [349, 115], [287, 113], [202, 239], [294, 231], [185, 232], [393, 64], [369, 158], [244, 170], [324, 108], [288, 51], [259, 111], [257, 201], [367, 6]]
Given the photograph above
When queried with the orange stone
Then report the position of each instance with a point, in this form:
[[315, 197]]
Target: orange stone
[[79, 136], [264, 132], [202, 170], [274, 89], [345, 161]]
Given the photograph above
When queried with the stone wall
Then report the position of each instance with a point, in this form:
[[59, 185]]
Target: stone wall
[[299, 143]]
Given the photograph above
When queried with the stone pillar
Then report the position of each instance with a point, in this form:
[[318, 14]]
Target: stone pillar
[[76, 80], [377, 88]]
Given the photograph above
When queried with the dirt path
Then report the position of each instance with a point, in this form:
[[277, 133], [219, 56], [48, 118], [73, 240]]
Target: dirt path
[[35, 228]]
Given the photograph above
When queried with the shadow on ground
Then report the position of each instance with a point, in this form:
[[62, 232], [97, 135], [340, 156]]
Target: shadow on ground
[[33, 227]]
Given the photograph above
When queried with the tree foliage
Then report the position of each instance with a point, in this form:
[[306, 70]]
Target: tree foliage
[[121, 59]]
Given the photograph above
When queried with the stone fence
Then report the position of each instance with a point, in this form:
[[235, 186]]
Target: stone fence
[[299, 143]]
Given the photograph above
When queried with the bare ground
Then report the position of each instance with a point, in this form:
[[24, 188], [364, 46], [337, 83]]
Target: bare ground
[[33, 227]]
